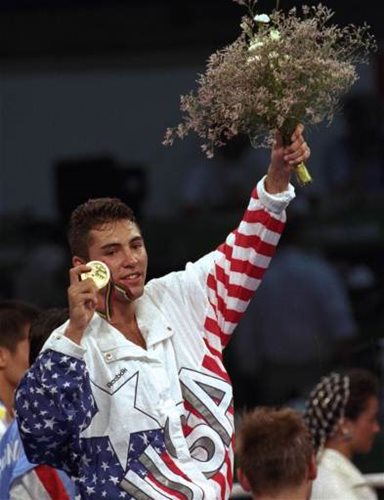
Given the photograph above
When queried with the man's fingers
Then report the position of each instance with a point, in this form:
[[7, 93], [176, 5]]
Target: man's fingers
[[298, 154], [90, 299], [278, 140], [75, 272], [297, 132], [82, 291]]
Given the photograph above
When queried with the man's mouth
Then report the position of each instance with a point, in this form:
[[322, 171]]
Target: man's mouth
[[131, 277]]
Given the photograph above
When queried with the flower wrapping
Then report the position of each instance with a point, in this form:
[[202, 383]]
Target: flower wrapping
[[283, 69]]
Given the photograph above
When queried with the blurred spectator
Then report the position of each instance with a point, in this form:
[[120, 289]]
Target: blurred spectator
[[342, 415], [354, 163], [41, 273], [275, 455], [222, 182], [20, 479], [42, 326], [15, 321], [299, 325]]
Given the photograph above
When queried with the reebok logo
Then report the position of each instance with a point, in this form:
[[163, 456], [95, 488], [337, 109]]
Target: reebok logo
[[116, 377]]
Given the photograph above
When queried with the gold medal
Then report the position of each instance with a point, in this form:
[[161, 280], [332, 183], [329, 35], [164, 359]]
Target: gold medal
[[100, 273]]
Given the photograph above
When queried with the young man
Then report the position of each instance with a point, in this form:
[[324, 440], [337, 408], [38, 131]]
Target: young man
[[134, 402], [15, 321], [276, 458], [20, 479]]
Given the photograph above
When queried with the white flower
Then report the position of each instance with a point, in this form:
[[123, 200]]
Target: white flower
[[261, 18], [255, 44], [253, 59], [274, 34], [273, 55]]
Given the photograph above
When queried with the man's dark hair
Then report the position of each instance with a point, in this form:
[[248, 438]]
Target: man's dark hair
[[14, 316], [42, 326], [274, 449], [92, 214]]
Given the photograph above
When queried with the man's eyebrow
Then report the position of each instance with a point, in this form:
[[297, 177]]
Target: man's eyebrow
[[136, 238], [115, 245], [110, 245]]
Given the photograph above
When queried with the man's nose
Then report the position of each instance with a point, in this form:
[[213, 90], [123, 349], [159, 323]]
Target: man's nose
[[130, 257]]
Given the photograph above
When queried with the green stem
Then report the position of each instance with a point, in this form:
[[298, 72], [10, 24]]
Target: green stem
[[302, 174]]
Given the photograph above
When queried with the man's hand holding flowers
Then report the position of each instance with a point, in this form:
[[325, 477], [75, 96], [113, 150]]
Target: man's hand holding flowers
[[284, 160]]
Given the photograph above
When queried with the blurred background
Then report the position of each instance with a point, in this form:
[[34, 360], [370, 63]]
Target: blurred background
[[87, 90]]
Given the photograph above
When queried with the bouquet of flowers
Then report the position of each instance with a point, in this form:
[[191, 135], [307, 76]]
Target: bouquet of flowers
[[283, 69]]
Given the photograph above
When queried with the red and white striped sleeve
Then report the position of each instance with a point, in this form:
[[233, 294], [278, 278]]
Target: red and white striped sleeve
[[241, 261]]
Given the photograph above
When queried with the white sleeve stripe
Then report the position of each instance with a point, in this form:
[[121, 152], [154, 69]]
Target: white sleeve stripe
[[251, 257], [258, 229], [246, 255], [238, 279], [234, 303], [215, 342], [225, 326]]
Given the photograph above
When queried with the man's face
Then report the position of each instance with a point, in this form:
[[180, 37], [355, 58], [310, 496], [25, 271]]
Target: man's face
[[120, 246], [17, 362]]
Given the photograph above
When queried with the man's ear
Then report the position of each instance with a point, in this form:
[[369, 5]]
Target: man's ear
[[242, 478], [312, 468], [4, 356], [76, 261]]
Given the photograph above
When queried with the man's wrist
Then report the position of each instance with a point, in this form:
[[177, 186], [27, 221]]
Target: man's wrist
[[277, 182], [275, 202], [74, 333]]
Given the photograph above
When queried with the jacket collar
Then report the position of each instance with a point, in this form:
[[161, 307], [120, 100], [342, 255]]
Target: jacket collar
[[151, 322], [341, 463]]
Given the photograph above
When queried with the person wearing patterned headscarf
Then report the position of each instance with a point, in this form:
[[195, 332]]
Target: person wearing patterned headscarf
[[342, 416]]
